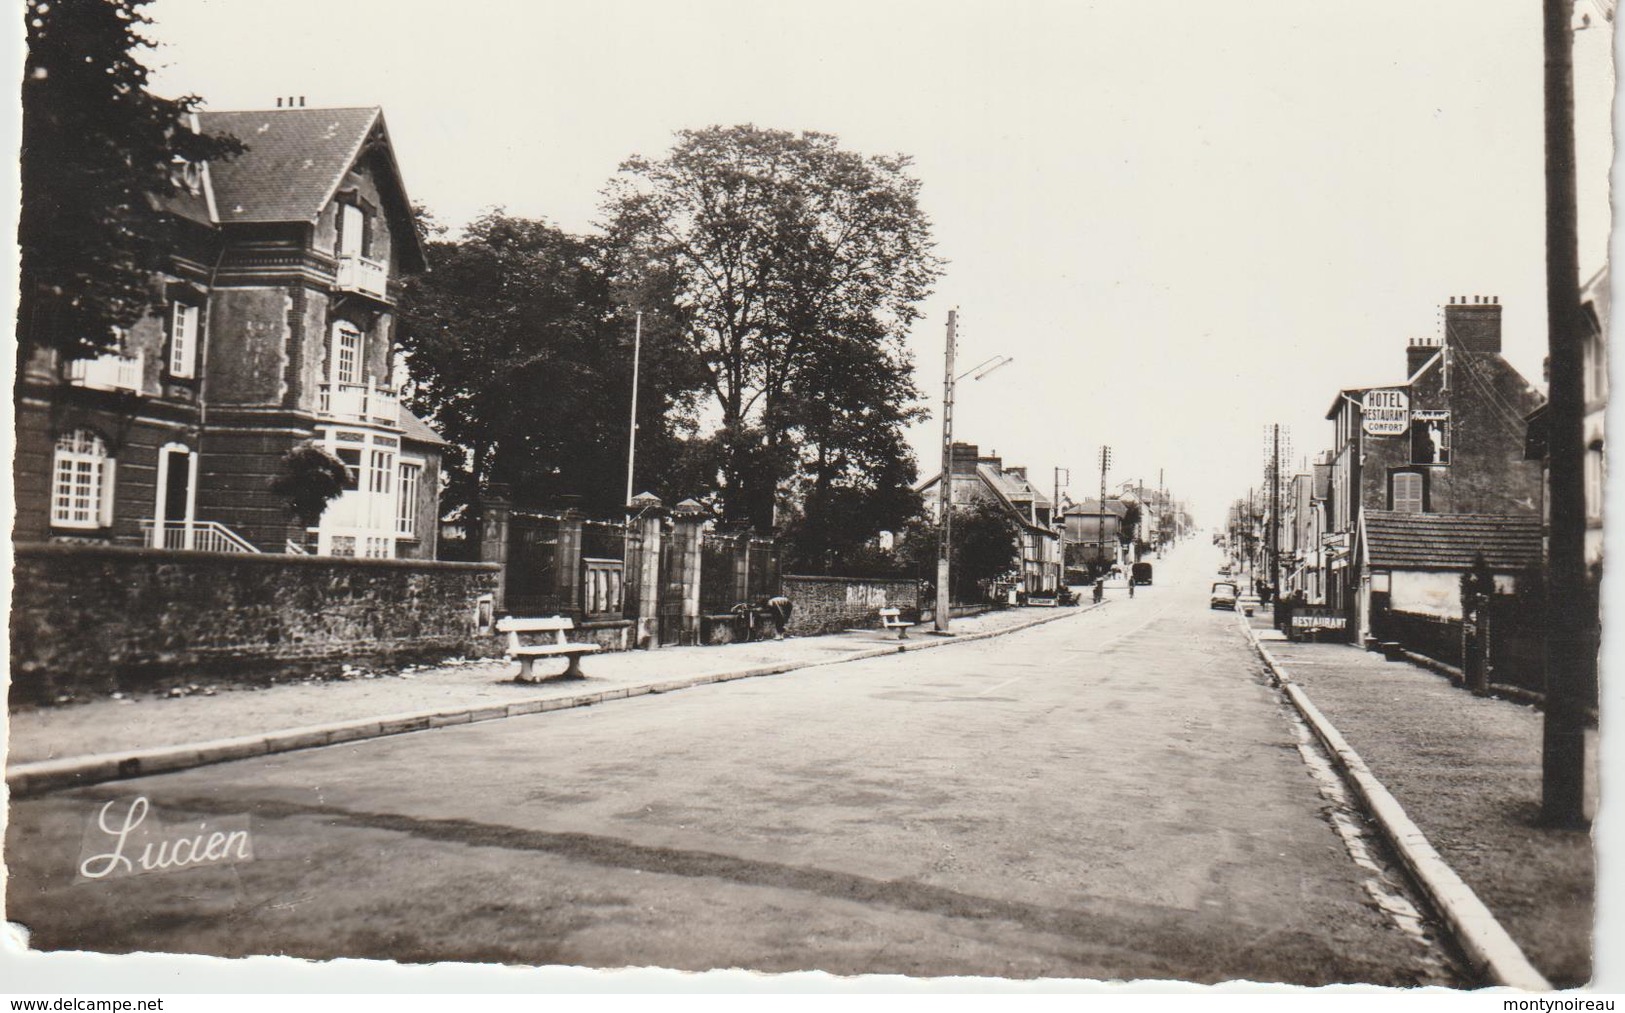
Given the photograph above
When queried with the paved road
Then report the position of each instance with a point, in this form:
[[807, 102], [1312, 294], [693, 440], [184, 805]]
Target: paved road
[[1115, 795]]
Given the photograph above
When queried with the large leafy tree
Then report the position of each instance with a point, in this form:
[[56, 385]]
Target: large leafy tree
[[521, 349], [798, 268], [986, 546], [97, 147]]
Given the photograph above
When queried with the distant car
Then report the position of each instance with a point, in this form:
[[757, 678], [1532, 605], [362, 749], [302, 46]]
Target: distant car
[[1141, 574], [1224, 571], [1223, 596]]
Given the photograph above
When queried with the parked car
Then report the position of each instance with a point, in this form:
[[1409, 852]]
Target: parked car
[[1141, 574], [1224, 571], [1223, 596]]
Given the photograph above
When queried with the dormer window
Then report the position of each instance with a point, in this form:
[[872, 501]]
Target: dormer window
[[186, 175]]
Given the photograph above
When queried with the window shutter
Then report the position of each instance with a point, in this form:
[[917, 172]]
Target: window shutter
[[109, 475], [1408, 492]]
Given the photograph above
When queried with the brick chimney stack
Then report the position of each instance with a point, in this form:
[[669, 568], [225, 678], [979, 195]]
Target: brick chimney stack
[[965, 456], [1418, 352], [1473, 323]]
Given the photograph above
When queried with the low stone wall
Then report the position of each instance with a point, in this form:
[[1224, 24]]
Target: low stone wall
[[831, 604], [95, 619]]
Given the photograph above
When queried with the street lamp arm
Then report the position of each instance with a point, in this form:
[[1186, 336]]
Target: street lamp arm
[[982, 369]]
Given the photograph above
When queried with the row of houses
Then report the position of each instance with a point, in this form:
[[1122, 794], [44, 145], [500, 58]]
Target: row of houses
[[1433, 474], [274, 328], [1061, 541]]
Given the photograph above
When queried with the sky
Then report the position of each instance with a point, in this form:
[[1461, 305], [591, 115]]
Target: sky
[[1183, 222]]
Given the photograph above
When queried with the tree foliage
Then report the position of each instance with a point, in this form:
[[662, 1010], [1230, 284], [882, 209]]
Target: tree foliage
[[97, 148], [986, 546], [797, 268], [309, 479], [1130, 526], [520, 350]]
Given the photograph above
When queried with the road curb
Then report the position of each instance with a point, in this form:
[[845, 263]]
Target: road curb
[[40, 776], [1494, 955]]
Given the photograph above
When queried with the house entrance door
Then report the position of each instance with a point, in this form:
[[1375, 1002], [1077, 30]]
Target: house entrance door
[[173, 524]]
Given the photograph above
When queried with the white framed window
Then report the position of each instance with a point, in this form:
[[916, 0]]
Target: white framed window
[[183, 339], [381, 477], [1407, 488], [82, 481], [406, 515], [345, 354]]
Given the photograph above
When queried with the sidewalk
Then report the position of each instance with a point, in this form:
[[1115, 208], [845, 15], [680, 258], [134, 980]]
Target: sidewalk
[[1467, 771], [108, 738]]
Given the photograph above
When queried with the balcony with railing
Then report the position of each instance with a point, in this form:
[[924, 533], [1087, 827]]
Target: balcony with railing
[[359, 402], [369, 277], [111, 371], [194, 536]]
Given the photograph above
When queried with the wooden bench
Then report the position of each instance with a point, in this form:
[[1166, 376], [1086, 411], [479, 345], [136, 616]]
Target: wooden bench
[[555, 647], [892, 619]]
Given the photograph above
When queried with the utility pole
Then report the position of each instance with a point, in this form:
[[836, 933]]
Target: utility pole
[[1105, 462], [1058, 522], [1571, 614], [1162, 513], [1251, 537], [1275, 510], [945, 487], [632, 435]]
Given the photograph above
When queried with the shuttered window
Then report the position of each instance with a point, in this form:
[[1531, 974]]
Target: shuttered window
[[1407, 489]]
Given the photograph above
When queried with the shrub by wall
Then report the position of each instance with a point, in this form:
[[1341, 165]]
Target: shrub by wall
[[831, 604], [95, 619]]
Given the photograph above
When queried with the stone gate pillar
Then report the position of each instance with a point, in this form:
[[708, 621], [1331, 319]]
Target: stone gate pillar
[[568, 561], [688, 519], [496, 507], [649, 518]]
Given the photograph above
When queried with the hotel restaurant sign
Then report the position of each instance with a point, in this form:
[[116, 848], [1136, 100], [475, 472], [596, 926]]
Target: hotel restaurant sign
[[1386, 412]]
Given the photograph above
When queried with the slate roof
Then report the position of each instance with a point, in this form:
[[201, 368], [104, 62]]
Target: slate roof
[[1014, 487], [419, 431], [1420, 541], [1091, 507], [294, 162]]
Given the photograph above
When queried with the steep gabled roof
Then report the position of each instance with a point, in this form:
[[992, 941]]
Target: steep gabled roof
[[295, 163], [1013, 487], [1420, 541]]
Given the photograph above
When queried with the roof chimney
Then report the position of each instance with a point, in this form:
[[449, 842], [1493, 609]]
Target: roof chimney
[[964, 457], [1474, 326], [1417, 354]]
